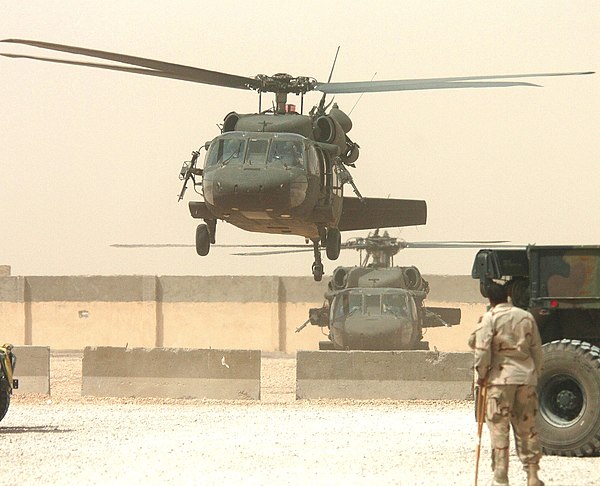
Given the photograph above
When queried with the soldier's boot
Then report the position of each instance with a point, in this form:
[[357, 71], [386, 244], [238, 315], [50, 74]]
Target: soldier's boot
[[500, 467], [532, 475]]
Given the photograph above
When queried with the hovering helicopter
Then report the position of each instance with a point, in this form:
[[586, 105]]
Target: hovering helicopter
[[378, 306], [278, 170]]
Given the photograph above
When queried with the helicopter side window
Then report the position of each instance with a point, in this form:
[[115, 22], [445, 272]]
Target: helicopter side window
[[313, 160], [224, 151], [322, 167], [257, 151], [337, 187], [288, 153]]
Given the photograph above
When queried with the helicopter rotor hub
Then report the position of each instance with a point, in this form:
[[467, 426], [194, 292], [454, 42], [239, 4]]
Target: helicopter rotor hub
[[285, 83]]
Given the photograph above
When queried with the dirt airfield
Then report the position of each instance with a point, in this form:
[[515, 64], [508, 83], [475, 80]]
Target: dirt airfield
[[68, 439]]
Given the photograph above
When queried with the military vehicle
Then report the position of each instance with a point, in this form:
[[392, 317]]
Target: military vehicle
[[7, 382], [379, 306], [560, 286], [278, 170]]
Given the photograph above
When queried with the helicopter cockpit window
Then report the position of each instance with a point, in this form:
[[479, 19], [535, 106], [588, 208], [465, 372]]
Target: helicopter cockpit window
[[286, 152], [347, 304], [226, 150], [313, 160], [257, 151], [396, 305], [373, 304]]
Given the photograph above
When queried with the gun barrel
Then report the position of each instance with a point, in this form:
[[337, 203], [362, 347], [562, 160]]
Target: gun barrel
[[298, 329]]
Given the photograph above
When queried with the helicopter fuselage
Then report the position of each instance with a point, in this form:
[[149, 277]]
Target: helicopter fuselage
[[374, 319], [281, 183]]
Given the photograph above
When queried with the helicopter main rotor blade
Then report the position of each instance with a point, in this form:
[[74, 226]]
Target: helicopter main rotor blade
[[459, 244], [273, 252], [153, 67], [435, 83], [187, 245]]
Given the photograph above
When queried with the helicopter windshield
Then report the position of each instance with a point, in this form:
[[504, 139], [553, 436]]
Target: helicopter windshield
[[226, 150], [272, 149], [286, 152], [374, 304]]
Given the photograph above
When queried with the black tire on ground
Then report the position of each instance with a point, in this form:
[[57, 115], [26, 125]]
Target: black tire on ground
[[202, 240], [333, 243], [569, 392], [326, 346], [4, 403]]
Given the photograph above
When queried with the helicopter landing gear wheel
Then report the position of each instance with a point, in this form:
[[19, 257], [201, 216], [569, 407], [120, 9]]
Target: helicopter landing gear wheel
[[202, 240], [317, 266], [333, 243], [317, 271]]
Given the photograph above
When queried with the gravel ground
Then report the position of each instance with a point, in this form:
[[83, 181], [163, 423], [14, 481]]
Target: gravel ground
[[68, 439]]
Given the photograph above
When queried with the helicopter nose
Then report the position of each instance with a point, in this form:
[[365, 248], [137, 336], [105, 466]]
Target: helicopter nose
[[252, 190], [360, 332]]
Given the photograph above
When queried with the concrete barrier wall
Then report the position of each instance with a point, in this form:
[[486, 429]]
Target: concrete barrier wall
[[193, 312], [32, 369], [397, 375], [171, 373]]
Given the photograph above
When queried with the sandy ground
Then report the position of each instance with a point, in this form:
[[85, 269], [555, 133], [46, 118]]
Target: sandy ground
[[68, 439]]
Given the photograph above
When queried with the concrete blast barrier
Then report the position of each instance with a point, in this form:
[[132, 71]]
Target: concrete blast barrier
[[171, 373], [32, 369], [397, 375]]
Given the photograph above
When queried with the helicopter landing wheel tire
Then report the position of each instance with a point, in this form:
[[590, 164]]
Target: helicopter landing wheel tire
[[317, 271], [333, 243], [202, 240]]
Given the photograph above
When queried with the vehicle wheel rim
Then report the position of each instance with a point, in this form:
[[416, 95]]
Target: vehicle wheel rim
[[562, 401]]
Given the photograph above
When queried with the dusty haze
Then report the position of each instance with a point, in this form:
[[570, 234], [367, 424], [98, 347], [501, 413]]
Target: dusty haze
[[89, 157]]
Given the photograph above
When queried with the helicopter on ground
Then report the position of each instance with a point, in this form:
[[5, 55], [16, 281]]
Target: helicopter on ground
[[279, 171], [378, 306]]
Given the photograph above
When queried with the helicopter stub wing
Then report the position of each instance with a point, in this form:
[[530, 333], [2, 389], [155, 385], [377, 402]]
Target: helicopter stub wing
[[373, 213]]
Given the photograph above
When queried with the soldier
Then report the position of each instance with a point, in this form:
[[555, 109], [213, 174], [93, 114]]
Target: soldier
[[508, 360]]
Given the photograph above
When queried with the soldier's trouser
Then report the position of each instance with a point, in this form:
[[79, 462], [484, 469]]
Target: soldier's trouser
[[516, 405]]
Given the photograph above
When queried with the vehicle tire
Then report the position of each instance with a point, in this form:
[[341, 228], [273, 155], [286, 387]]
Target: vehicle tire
[[317, 271], [4, 403], [326, 346], [568, 420], [202, 240], [333, 243]]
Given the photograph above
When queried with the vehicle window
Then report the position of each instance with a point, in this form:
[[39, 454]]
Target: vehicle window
[[288, 153], [225, 150], [313, 161], [354, 303], [373, 304], [347, 304], [337, 186], [257, 151], [395, 304]]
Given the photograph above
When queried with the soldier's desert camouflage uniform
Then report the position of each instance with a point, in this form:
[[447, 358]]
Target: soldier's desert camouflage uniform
[[508, 353]]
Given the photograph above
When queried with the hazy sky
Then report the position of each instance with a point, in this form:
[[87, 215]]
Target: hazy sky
[[90, 157]]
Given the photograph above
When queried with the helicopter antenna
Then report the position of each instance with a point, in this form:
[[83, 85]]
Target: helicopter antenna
[[322, 102], [359, 98]]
